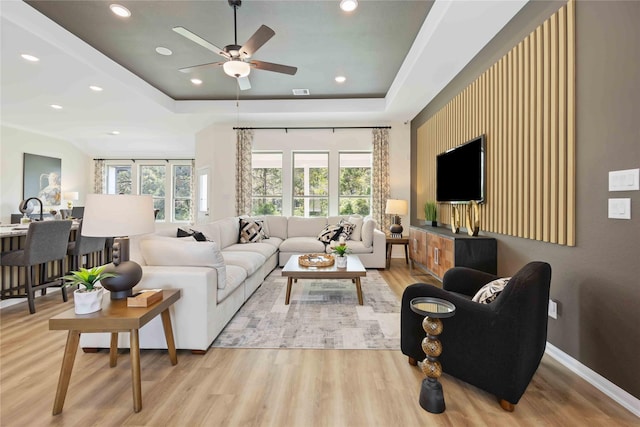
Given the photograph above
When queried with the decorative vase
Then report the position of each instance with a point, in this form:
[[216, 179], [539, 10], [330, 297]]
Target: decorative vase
[[88, 302], [341, 261], [434, 223]]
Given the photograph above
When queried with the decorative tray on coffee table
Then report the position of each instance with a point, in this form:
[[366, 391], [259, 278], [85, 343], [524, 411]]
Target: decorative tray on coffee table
[[316, 260]]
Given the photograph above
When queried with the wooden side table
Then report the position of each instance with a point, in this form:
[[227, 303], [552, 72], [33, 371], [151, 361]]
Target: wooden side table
[[114, 317], [397, 241]]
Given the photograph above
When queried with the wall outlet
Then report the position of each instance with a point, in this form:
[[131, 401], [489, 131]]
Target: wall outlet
[[553, 309]]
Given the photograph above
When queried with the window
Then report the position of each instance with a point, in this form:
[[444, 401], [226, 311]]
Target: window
[[310, 184], [118, 179], [355, 184], [267, 183], [168, 182]]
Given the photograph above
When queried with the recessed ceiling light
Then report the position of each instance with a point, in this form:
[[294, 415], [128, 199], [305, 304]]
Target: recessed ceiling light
[[341, 79], [163, 51], [348, 5], [95, 88], [56, 106], [114, 132], [30, 58], [120, 10], [196, 81]]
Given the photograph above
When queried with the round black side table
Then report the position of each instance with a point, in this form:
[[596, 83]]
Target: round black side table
[[434, 309]]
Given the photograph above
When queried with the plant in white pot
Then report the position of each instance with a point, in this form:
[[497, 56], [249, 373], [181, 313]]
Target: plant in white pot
[[341, 250], [87, 298]]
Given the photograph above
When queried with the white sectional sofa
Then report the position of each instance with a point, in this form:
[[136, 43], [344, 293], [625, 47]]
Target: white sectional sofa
[[218, 275]]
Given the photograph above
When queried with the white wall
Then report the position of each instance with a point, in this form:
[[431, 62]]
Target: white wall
[[15, 142], [215, 147]]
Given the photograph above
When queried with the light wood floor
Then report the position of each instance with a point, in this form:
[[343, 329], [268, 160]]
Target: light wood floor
[[238, 387]]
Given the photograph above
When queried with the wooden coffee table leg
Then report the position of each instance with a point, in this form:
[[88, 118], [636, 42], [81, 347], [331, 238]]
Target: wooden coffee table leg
[[359, 290], [135, 370], [288, 296], [113, 350], [70, 350], [168, 334]]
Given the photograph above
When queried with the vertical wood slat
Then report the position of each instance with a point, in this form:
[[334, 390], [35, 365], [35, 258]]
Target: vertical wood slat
[[524, 104]]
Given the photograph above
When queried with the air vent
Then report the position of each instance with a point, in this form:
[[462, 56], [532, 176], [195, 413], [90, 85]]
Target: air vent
[[300, 92]]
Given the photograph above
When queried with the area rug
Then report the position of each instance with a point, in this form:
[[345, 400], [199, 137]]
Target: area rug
[[322, 314]]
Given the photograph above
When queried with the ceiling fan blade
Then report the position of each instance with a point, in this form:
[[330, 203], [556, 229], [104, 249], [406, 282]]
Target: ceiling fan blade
[[202, 42], [196, 67], [278, 68], [244, 83], [256, 41]]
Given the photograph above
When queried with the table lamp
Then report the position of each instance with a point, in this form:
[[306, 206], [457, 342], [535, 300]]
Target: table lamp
[[70, 197], [396, 208], [119, 216]]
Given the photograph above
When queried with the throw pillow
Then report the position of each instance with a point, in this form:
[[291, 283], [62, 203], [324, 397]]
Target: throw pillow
[[250, 230], [184, 233], [489, 292], [357, 221], [347, 229], [191, 233], [330, 232], [367, 232]]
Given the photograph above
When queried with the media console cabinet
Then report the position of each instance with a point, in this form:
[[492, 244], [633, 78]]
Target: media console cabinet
[[437, 249]]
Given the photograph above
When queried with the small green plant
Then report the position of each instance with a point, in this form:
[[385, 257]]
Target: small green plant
[[431, 211], [87, 277], [341, 250]]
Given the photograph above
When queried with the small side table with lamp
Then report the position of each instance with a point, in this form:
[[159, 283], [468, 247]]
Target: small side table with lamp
[[396, 208]]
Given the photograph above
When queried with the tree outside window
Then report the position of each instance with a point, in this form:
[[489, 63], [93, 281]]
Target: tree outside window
[[310, 184], [119, 179], [355, 184], [267, 183], [182, 198], [152, 182]]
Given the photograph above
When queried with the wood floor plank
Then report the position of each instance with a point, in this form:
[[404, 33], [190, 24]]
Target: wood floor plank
[[265, 387]]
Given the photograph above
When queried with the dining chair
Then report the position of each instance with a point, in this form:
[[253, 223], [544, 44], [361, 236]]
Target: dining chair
[[84, 245]]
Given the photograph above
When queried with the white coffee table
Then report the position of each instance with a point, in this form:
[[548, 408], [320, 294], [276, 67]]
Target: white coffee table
[[354, 271]]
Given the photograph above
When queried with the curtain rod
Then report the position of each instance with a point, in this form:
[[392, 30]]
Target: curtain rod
[[333, 128], [134, 160]]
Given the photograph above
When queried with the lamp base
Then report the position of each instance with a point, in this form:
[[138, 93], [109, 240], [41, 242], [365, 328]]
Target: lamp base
[[396, 229], [128, 274]]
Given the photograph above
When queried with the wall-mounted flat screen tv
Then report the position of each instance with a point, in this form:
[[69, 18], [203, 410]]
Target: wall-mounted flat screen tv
[[460, 173]]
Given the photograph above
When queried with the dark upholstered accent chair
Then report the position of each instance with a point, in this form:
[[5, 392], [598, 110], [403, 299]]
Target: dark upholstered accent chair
[[497, 346], [84, 245], [46, 241]]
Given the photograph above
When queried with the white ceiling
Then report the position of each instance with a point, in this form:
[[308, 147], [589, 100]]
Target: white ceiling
[[154, 125]]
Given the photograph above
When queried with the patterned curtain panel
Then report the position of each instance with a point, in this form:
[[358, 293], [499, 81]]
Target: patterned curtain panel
[[380, 191], [98, 177], [243, 171]]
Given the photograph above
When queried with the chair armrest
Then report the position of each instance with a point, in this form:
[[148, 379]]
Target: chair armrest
[[465, 280]]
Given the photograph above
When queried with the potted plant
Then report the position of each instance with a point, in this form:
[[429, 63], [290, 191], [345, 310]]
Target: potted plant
[[341, 250], [431, 213], [88, 297]]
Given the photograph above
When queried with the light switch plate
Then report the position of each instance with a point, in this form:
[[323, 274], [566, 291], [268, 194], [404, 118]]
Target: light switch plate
[[620, 208], [624, 180]]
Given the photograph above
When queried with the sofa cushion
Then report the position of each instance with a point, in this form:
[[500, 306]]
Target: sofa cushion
[[354, 248], [235, 278], [263, 248], [250, 261], [302, 245], [367, 232], [182, 252], [305, 227], [273, 241], [489, 292], [210, 230], [330, 232], [251, 230], [357, 221], [276, 226]]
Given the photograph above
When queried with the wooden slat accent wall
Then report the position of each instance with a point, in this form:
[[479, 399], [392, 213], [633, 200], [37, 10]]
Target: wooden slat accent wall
[[525, 106]]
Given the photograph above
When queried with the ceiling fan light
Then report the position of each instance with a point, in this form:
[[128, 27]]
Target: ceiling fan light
[[348, 5], [236, 68]]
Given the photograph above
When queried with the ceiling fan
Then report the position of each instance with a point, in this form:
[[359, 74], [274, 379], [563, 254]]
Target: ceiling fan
[[238, 58]]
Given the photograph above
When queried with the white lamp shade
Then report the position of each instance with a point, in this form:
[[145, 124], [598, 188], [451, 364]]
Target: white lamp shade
[[397, 207], [111, 215], [70, 195], [236, 68]]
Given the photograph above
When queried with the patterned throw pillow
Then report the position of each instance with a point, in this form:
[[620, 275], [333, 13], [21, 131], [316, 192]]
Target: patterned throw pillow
[[191, 233], [251, 230], [347, 229], [330, 232], [489, 292]]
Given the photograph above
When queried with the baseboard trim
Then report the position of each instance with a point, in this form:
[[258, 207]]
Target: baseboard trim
[[628, 401]]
